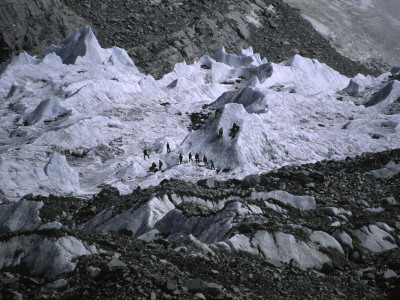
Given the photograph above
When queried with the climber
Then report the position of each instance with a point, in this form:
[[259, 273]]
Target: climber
[[145, 153], [180, 158], [205, 160], [160, 164], [212, 164], [196, 157], [153, 167], [234, 130], [220, 132], [190, 157], [168, 148]]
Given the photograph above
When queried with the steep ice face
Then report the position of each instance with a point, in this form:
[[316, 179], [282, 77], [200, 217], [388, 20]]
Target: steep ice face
[[308, 74], [244, 148], [243, 58], [94, 108], [83, 46], [47, 110], [253, 100]]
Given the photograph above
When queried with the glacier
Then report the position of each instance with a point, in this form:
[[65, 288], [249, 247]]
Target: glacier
[[88, 113]]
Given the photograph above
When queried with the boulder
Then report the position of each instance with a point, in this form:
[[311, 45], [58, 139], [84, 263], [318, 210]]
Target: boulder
[[206, 183]]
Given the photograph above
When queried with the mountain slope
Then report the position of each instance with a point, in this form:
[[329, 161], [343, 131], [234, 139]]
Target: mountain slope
[[306, 186], [375, 41], [32, 25]]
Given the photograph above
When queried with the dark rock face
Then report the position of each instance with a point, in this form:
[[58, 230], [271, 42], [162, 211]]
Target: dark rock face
[[30, 26], [159, 34]]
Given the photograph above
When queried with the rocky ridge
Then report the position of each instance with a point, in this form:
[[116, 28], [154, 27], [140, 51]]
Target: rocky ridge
[[360, 211]]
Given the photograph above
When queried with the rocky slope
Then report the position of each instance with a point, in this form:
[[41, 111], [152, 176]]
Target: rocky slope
[[360, 212], [27, 25], [374, 41], [158, 34]]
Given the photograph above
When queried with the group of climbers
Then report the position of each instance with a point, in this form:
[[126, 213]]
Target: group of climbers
[[232, 132], [153, 167], [197, 159]]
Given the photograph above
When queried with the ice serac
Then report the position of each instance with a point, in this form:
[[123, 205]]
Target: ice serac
[[47, 110], [252, 99], [357, 85], [395, 73], [285, 247], [311, 73], [42, 255], [375, 239], [61, 175], [300, 202], [243, 58], [84, 134], [210, 228], [243, 149], [387, 99], [139, 220], [83, 46]]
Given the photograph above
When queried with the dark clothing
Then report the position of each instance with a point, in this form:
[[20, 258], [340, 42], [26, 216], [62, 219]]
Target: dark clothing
[[180, 158], [160, 164], [168, 149], [217, 113], [145, 154], [205, 160], [153, 167], [190, 157], [196, 157], [234, 130], [212, 164]]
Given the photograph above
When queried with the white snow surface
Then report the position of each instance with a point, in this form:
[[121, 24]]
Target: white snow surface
[[78, 117]]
